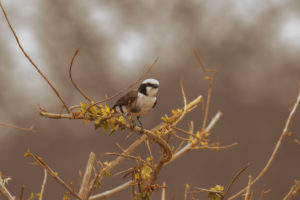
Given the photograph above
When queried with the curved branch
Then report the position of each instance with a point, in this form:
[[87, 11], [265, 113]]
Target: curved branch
[[31, 61], [70, 74]]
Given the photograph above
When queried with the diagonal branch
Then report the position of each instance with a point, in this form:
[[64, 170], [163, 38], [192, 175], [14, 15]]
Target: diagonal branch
[[275, 151], [31, 61], [130, 85], [4, 190], [40, 162]]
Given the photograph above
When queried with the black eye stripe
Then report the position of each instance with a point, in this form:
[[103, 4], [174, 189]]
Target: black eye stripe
[[152, 85]]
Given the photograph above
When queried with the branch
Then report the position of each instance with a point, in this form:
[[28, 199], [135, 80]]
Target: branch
[[112, 191], [31, 61], [293, 191], [40, 162], [70, 74], [189, 145], [211, 79], [31, 128], [234, 179], [163, 192], [275, 151], [140, 140], [43, 185], [84, 188], [248, 191], [3, 189]]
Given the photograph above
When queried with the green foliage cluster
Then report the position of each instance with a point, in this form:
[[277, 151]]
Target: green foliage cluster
[[102, 116]]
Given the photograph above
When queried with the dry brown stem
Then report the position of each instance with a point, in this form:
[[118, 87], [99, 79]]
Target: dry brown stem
[[43, 185], [248, 191], [31, 128], [22, 192], [84, 188], [293, 191], [163, 191], [4, 190], [263, 192], [40, 162], [70, 75], [31, 61], [234, 179], [211, 73], [112, 191], [275, 151], [130, 85]]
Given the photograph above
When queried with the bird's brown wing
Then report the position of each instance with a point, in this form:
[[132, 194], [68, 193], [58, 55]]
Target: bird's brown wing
[[127, 99]]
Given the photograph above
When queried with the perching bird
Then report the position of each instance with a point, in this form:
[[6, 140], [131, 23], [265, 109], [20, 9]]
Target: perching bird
[[139, 102]]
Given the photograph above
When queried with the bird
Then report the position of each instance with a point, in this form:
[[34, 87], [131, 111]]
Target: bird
[[138, 102]]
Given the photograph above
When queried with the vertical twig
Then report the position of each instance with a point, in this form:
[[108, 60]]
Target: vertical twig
[[22, 192], [43, 184], [210, 78], [248, 191], [163, 191], [84, 188]]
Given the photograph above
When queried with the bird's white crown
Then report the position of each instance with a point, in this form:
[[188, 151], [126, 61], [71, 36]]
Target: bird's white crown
[[151, 80]]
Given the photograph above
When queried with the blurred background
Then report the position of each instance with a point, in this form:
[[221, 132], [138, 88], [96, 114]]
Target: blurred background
[[254, 45]]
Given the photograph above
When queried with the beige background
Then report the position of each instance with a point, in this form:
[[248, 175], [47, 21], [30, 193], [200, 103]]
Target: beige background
[[254, 45]]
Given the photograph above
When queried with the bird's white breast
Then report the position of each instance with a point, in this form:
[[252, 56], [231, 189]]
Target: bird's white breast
[[144, 104]]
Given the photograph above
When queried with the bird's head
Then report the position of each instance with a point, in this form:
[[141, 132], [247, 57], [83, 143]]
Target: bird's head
[[149, 87]]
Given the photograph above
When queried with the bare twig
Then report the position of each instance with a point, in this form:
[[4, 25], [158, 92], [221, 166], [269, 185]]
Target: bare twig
[[112, 191], [70, 74], [211, 77], [22, 192], [40, 162], [43, 185], [297, 141], [189, 145], [84, 188], [187, 187], [275, 151], [3, 189], [163, 191], [31, 61], [184, 103], [130, 85], [125, 156], [248, 191], [31, 128], [234, 179], [293, 191], [263, 192]]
